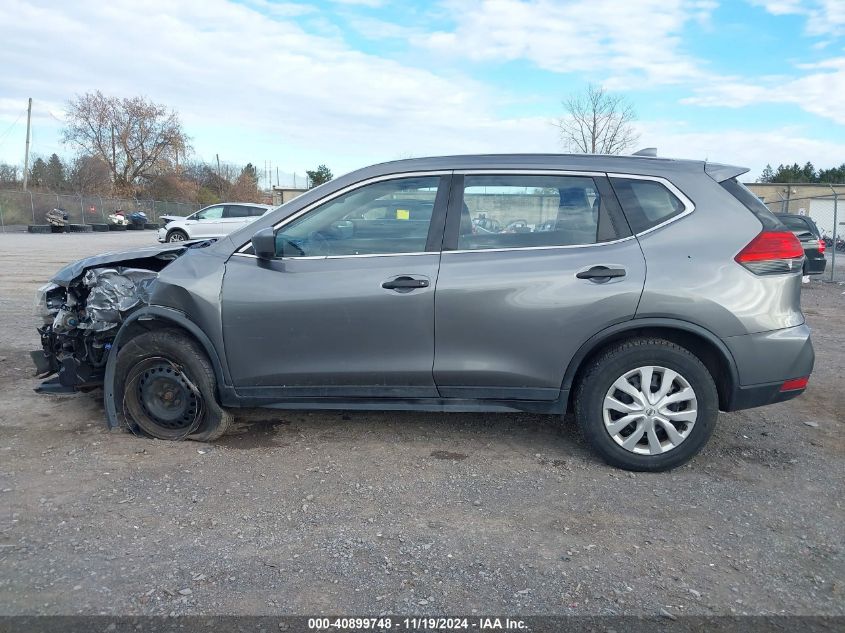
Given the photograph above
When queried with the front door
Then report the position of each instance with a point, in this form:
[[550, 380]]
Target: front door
[[346, 309], [533, 265]]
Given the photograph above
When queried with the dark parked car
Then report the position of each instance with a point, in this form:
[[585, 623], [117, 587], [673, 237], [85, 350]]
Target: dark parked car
[[608, 286], [811, 240]]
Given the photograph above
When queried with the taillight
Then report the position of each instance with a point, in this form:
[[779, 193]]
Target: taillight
[[772, 253], [822, 246]]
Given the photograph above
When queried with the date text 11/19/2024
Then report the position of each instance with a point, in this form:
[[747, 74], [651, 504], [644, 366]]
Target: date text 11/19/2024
[[417, 624]]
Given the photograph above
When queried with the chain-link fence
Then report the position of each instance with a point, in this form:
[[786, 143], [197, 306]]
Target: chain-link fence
[[828, 213], [27, 207]]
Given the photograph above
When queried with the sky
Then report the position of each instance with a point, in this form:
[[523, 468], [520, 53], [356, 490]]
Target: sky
[[349, 83]]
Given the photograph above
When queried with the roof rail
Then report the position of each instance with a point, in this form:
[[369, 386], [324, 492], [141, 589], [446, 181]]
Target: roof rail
[[651, 152]]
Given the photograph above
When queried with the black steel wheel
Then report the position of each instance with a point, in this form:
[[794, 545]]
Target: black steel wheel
[[165, 386], [159, 395]]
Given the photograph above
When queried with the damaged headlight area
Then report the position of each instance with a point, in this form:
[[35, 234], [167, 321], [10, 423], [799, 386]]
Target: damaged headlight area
[[81, 320]]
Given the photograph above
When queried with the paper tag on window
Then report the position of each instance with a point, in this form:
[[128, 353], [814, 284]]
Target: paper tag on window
[[403, 214]]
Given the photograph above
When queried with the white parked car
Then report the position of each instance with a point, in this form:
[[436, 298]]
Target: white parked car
[[214, 221]]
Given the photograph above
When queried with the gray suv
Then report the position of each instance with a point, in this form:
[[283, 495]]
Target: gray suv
[[642, 294]]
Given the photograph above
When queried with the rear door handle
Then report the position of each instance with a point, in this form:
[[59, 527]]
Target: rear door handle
[[601, 272], [405, 284]]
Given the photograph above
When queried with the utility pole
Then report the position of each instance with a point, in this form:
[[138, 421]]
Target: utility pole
[[26, 153], [218, 163]]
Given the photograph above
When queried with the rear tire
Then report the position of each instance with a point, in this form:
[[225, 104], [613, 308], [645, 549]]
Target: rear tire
[[671, 418], [165, 384]]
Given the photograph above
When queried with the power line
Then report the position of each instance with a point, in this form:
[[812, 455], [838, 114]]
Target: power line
[[9, 129]]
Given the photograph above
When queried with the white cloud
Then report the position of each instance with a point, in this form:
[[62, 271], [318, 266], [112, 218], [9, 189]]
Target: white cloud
[[820, 92], [824, 17], [625, 41], [363, 3], [231, 71], [752, 149]]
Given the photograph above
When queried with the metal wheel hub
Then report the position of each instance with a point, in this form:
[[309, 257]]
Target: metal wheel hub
[[650, 410], [176, 237], [166, 396]]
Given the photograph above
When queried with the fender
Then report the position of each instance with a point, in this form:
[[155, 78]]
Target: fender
[[613, 331], [160, 313]]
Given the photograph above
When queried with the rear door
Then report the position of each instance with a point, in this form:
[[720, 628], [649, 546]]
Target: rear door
[[533, 264], [346, 309]]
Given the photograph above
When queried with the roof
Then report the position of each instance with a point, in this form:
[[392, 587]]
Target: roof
[[645, 165]]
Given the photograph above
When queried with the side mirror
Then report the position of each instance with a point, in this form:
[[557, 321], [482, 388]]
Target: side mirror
[[264, 243]]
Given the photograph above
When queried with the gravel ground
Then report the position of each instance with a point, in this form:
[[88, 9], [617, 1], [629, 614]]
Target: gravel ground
[[407, 512]]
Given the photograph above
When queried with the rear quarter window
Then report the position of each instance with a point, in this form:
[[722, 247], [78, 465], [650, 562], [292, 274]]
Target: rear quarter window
[[751, 202], [646, 203]]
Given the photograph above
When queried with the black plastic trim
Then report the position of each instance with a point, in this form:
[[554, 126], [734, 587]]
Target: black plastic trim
[[631, 325], [752, 396]]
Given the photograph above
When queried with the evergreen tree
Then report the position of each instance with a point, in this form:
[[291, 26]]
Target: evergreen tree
[[320, 175], [55, 177], [38, 173]]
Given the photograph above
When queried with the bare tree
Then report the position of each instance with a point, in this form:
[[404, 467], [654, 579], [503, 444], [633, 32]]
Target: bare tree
[[134, 137], [90, 175], [597, 123]]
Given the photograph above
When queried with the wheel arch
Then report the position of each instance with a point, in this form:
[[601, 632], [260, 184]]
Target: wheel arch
[[175, 229], [701, 342], [158, 317]]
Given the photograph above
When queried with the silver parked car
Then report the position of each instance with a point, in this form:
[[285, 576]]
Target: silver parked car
[[213, 221], [642, 294]]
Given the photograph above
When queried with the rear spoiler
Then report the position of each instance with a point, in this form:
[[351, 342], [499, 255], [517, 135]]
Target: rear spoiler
[[721, 173]]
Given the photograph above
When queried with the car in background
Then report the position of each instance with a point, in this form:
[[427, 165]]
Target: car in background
[[214, 221], [811, 240]]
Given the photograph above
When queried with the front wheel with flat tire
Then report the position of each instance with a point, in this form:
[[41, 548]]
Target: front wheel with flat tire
[[646, 405], [165, 384]]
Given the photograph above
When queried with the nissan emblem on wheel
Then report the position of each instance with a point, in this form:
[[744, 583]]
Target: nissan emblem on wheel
[[644, 295]]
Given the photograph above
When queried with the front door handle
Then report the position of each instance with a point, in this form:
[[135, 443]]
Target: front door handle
[[405, 284], [601, 272]]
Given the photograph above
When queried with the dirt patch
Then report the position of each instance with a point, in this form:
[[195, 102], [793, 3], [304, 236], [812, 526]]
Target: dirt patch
[[448, 455]]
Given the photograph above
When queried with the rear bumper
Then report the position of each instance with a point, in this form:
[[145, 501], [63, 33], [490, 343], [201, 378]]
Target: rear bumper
[[815, 265], [759, 396], [764, 361]]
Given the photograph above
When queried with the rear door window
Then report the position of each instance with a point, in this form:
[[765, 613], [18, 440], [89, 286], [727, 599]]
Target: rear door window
[[237, 211], [647, 203], [525, 211]]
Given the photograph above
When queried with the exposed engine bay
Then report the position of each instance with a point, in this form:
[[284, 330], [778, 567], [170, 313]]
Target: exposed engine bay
[[82, 309]]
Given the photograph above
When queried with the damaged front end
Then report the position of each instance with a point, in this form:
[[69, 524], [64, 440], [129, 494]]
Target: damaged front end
[[81, 320], [83, 308]]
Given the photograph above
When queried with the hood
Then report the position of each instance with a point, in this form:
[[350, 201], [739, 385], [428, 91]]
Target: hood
[[150, 257]]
